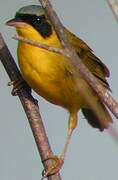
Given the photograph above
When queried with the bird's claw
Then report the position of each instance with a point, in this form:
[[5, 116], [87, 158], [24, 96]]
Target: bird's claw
[[56, 166], [18, 84]]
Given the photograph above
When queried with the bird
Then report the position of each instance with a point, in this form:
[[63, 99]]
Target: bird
[[51, 77]]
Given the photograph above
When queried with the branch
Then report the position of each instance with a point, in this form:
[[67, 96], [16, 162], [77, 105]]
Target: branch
[[37, 44], [78, 66], [114, 6], [30, 106]]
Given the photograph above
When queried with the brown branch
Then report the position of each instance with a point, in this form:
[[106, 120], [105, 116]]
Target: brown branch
[[114, 6], [30, 106], [37, 44], [79, 67]]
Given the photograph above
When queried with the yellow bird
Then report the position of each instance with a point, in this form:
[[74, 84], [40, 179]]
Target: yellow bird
[[50, 76]]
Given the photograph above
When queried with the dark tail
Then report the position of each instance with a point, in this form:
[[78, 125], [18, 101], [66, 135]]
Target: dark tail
[[94, 121]]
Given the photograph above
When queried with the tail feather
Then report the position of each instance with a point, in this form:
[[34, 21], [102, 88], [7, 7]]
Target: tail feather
[[93, 119]]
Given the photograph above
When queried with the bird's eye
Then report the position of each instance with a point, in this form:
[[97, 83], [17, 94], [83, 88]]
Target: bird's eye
[[38, 20]]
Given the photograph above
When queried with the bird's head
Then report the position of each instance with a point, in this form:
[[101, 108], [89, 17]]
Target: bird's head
[[30, 19]]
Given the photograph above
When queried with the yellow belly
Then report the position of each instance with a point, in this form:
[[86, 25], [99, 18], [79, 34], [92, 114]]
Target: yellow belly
[[48, 74]]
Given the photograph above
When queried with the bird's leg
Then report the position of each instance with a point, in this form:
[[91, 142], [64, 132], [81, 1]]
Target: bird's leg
[[18, 84], [71, 126], [59, 161]]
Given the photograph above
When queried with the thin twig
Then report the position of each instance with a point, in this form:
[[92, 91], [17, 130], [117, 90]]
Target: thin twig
[[37, 44], [30, 106], [114, 6], [76, 62]]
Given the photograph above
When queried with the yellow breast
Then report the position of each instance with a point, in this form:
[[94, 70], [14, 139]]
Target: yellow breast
[[47, 72]]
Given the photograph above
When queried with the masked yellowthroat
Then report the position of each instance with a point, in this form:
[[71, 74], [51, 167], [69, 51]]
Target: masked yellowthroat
[[49, 74]]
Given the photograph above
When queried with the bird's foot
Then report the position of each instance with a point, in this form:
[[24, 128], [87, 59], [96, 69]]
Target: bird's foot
[[18, 84], [56, 166]]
